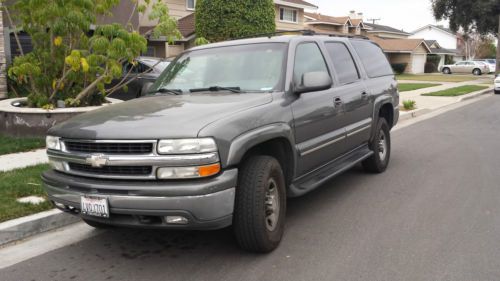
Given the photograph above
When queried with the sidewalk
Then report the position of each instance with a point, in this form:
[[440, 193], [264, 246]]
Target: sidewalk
[[426, 104], [24, 159]]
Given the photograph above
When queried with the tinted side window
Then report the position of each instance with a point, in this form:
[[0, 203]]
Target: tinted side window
[[343, 62], [374, 60], [308, 58]]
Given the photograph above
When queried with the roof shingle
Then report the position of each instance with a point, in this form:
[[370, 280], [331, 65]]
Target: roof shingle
[[300, 2], [398, 45]]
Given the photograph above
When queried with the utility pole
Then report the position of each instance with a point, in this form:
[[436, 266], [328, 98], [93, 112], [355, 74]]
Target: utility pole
[[498, 47], [374, 20]]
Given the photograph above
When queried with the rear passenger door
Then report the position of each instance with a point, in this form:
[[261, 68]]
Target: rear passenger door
[[319, 132], [353, 93]]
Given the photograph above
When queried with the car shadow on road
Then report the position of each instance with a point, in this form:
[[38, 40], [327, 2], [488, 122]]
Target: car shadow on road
[[150, 250]]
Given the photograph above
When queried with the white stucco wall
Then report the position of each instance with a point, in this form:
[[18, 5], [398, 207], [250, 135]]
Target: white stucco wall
[[444, 39]]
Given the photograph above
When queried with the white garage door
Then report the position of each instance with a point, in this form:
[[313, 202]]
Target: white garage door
[[418, 63]]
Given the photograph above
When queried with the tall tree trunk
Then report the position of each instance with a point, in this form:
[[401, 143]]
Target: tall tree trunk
[[498, 47], [3, 62]]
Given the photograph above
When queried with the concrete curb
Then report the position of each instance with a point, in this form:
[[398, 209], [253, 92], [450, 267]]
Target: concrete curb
[[413, 114], [475, 95], [21, 228]]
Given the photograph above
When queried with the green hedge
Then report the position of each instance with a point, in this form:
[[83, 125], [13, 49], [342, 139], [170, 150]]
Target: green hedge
[[220, 20], [399, 68]]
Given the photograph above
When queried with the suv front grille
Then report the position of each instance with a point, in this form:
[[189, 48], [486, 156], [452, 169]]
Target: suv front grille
[[109, 148], [112, 170]]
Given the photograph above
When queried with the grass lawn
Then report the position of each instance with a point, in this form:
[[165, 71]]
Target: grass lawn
[[20, 183], [457, 91], [405, 87], [437, 77], [13, 145]]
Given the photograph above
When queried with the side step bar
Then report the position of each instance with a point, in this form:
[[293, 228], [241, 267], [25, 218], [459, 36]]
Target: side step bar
[[318, 177]]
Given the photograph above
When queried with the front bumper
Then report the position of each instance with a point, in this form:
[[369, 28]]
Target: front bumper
[[206, 203]]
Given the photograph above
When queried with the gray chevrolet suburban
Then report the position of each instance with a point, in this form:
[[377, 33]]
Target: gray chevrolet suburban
[[226, 134]]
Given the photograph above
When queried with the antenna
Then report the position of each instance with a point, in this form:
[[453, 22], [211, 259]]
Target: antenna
[[374, 21]]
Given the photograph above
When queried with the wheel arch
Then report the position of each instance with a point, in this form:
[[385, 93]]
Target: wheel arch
[[274, 140]]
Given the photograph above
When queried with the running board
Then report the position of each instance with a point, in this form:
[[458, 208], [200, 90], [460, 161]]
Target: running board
[[318, 177]]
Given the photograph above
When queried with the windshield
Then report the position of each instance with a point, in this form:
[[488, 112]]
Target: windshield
[[247, 68]]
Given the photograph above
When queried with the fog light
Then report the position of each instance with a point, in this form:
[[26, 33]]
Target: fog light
[[176, 220]]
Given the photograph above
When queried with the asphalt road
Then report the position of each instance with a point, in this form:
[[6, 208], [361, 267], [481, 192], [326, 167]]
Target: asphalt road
[[434, 215]]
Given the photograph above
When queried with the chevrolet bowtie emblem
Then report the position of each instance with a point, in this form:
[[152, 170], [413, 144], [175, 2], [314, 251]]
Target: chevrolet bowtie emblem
[[97, 160]]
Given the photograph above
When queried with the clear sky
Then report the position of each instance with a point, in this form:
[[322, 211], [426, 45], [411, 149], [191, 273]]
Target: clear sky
[[408, 15]]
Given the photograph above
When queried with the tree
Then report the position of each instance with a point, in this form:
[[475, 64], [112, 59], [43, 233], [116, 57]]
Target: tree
[[482, 16], [486, 49], [219, 20], [71, 62]]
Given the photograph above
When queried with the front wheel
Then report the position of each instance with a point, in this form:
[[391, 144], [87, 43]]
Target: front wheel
[[381, 146], [260, 205]]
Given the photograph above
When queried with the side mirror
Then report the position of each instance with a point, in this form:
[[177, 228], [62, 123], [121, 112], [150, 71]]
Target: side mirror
[[313, 82]]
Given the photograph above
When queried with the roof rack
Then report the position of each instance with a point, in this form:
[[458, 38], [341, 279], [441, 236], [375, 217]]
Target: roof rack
[[303, 32]]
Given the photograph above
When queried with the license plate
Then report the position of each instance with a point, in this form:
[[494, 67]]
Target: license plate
[[95, 206]]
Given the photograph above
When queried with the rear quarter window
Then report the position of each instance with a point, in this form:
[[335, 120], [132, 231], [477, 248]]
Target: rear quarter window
[[373, 58]]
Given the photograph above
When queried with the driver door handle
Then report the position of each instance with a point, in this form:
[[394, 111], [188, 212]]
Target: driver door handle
[[338, 102]]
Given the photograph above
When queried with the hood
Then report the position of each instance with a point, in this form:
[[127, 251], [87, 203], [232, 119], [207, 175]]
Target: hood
[[157, 117]]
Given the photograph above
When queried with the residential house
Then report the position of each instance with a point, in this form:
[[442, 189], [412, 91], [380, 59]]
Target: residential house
[[447, 39], [289, 17], [335, 25], [437, 49], [384, 31], [412, 52]]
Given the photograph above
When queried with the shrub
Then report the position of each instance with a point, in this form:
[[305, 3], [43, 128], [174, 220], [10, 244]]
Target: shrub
[[409, 104], [399, 68], [219, 20], [71, 62]]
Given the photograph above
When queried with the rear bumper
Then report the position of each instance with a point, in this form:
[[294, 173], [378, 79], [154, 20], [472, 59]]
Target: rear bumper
[[206, 204]]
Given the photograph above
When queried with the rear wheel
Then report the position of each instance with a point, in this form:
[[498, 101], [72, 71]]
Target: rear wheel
[[260, 205], [446, 70], [477, 71], [381, 146], [497, 92]]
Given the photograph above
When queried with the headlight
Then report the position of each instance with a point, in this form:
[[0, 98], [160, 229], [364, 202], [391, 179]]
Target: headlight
[[53, 143], [186, 146], [188, 172]]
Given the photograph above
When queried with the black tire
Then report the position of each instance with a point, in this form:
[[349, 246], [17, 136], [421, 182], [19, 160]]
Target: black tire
[[96, 224], [497, 92], [446, 70], [255, 227], [477, 71], [378, 162]]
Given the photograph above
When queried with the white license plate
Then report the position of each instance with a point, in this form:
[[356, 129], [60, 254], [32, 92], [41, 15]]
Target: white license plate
[[95, 206]]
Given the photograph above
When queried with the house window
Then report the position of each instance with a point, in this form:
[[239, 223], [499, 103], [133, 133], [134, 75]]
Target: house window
[[190, 4], [289, 15]]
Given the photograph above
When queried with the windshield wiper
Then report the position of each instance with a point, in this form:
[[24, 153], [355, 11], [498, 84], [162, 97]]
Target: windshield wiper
[[167, 91], [217, 89]]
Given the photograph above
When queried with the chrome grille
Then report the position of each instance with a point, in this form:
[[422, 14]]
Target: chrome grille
[[112, 170], [109, 147]]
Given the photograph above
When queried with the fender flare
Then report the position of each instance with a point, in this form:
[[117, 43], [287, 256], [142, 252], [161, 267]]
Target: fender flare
[[244, 142]]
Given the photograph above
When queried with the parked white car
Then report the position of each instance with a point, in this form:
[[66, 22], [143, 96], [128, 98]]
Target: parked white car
[[497, 85], [474, 67], [491, 63]]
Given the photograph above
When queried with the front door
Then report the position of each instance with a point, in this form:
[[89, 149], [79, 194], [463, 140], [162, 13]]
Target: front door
[[319, 135]]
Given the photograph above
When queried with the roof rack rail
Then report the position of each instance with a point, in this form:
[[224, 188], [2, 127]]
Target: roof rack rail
[[304, 32]]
